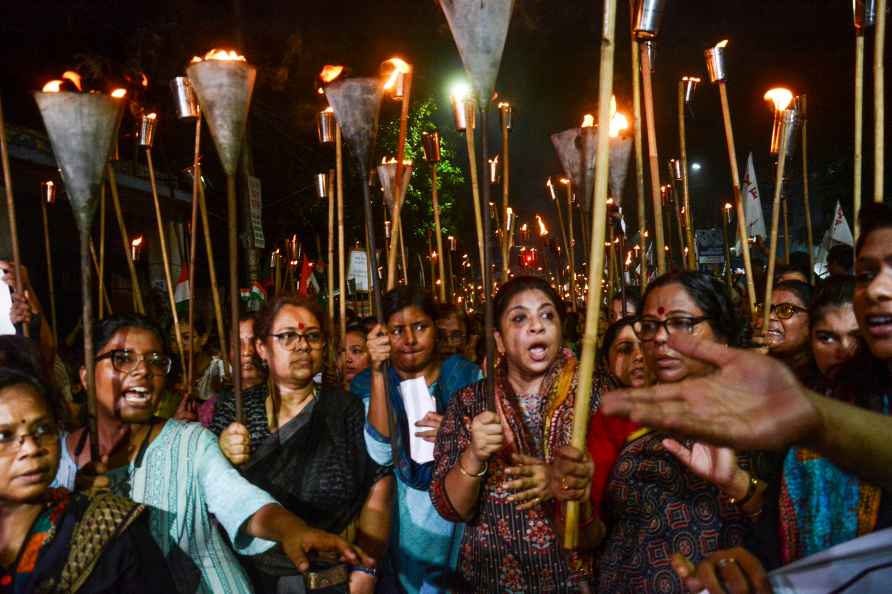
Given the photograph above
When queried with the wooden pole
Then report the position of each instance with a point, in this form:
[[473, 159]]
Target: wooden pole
[[506, 188], [775, 220], [89, 353], [648, 94], [125, 237], [738, 197], [342, 273], [475, 196], [332, 202], [193, 252], [639, 156], [101, 266], [726, 214], [785, 206], [10, 209], [688, 215], [879, 103], [166, 260], [234, 342], [49, 268], [859, 126], [806, 203], [103, 296], [212, 272], [581, 407], [557, 206], [438, 231], [571, 249], [396, 230]]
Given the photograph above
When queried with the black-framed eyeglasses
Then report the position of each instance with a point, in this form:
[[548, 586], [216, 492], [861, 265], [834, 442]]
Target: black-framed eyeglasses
[[456, 336], [43, 434], [289, 339], [647, 328], [784, 310], [126, 361]]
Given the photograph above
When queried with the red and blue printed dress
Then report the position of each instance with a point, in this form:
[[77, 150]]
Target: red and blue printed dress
[[656, 507]]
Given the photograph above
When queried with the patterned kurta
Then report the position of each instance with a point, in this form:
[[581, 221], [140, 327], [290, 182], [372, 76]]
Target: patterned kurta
[[184, 478], [504, 549], [656, 507]]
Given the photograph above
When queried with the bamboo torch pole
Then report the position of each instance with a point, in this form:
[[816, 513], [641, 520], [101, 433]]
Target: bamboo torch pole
[[193, 252], [101, 270], [212, 270], [647, 92], [342, 273], [775, 219], [505, 113], [397, 227], [571, 249], [48, 196], [715, 63], [431, 146], [879, 103], [475, 195], [803, 107], [162, 240], [581, 408], [859, 125], [10, 209], [639, 157], [125, 237], [683, 147]]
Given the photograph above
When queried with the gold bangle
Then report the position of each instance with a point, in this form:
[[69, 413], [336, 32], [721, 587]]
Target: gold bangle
[[469, 475], [750, 492]]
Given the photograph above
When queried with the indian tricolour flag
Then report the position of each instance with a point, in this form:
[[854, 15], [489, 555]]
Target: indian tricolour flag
[[183, 292]]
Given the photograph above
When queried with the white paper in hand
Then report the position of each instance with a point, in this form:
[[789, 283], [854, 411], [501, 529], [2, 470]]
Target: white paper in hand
[[417, 401], [6, 326]]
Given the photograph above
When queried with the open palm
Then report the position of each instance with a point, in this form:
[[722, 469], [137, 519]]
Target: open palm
[[714, 464]]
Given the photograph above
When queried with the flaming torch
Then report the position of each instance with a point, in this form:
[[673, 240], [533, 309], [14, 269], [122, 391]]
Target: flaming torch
[[479, 30], [431, 145], [399, 84], [81, 127], [48, 198], [647, 27], [715, 63], [726, 221], [394, 190], [224, 83], [687, 86], [146, 139], [581, 406]]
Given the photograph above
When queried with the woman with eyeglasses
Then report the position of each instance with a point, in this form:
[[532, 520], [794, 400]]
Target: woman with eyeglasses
[[177, 470], [788, 333], [406, 367], [667, 496], [506, 471], [304, 445], [53, 540]]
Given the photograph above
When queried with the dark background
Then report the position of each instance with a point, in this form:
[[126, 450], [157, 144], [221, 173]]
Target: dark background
[[549, 74]]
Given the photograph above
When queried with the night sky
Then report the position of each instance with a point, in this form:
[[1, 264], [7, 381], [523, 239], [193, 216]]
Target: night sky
[[548, 73]]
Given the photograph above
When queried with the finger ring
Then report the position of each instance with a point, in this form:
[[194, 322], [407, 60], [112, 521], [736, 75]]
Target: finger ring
[[565, 486], [725, 562]]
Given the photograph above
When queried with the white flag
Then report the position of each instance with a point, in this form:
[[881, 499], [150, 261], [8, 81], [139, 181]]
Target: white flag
[[840, 231], [752, 203]]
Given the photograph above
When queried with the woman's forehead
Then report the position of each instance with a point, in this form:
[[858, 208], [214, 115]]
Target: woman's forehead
[[291, 315], [134, 338], [530, 299]]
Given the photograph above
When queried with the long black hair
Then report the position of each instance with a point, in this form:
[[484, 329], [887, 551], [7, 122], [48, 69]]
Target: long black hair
[[405, 296], [713, 297], [836, 292]]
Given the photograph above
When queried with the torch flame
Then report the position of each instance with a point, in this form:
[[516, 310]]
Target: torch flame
[[588, 121], [565, 181], [543, 230], [550, 187], [780, 96], [145, 79], [54, 86], [152, 115], [74, 77], [504, 104], [690, 78], [223, 56], [119, 93], [629, 259], [618, 123], [137, 241], [523, 228], [399, 67], [329, 73], [728, 206], [460, 91], [721, 44]]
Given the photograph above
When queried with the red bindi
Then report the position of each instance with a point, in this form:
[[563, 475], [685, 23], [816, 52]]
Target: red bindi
[[661, 310], [300, 325]]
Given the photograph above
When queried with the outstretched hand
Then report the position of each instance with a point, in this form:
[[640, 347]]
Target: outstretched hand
[[750, 402], [301, 543], [714, 464]]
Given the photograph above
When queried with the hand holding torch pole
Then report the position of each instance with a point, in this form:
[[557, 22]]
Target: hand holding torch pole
[[10, 209]]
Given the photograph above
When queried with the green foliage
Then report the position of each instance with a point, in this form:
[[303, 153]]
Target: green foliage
[[418, 213]]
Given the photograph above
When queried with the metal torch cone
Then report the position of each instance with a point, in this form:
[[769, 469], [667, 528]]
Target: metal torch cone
[[387, 177], [224, 89], [620, 155], [81, 127]]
